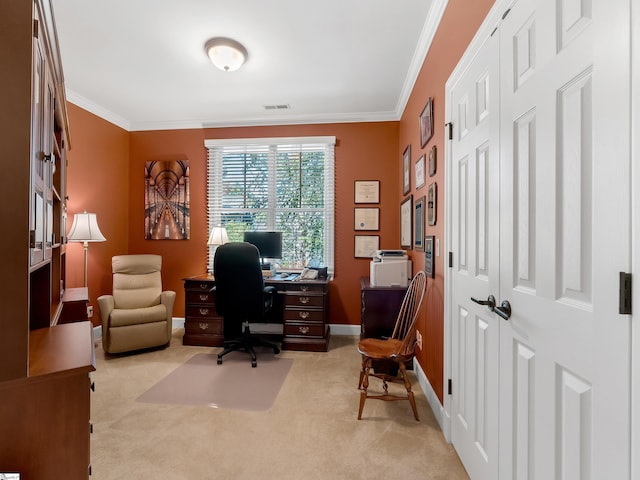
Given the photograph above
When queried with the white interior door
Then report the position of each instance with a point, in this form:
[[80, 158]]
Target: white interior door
[[561, 160], [565, 236], [474, 171]]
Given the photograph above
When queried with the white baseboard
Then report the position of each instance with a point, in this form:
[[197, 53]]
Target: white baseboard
[[432, 399], [343, 329]]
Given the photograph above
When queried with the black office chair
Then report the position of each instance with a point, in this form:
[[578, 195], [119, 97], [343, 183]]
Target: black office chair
[[241, 297]]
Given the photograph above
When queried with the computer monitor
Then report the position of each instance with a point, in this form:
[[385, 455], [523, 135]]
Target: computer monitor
[[269, 243]]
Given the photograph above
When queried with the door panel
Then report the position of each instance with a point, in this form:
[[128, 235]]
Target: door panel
[[475, 235], [551, 201]]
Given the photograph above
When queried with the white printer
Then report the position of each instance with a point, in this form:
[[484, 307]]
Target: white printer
[[390, 268]]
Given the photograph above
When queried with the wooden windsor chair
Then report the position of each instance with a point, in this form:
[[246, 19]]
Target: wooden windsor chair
[[399, 348]]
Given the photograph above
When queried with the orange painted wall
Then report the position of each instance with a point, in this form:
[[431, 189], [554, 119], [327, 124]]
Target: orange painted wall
[[97, 181], [458, 26], [364, 151]]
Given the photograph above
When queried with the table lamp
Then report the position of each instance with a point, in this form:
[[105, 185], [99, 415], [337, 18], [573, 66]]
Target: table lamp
[[217, 237], [85, 229]]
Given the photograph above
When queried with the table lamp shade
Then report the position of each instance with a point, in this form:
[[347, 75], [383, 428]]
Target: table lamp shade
[[218, 236]]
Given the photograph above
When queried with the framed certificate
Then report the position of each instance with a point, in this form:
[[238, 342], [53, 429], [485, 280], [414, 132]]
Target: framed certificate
[[366, 246], [367, 191], [366, 219]]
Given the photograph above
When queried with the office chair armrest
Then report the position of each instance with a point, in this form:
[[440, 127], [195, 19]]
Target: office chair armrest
[[268, 295]]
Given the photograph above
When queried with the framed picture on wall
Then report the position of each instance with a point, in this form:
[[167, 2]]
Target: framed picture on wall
[[406, 170], [366, 218], [419, 170], [406, 221], [418, 225], [367, 191], [429, 265], [432, 198], [365, 246], [426, 123], [432, 161]]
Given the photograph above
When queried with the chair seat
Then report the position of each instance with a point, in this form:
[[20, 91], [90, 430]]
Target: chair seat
[[379, 349], [136, 316]]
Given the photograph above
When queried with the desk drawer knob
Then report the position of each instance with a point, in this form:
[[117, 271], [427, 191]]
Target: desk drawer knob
[[204, 286], [203, 297], [204, 311], [304, 288], [203, 326], [303, 315], [304, 300], [303, 330]]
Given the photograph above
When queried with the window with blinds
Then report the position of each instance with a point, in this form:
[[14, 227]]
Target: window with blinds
[[276, 184]]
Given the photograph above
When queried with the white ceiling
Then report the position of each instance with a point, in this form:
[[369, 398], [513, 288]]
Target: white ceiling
[[141, 64]]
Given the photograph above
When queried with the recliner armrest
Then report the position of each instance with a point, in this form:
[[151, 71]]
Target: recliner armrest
[[168, 298]]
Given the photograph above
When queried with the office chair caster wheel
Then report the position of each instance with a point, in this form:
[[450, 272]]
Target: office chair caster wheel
[[276, 350], [254, 363], [219, 361]]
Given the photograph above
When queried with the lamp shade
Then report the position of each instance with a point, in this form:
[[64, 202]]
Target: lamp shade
[[225, 53], [218, 236], [85, 228]]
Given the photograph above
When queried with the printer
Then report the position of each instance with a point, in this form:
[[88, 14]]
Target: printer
[[390, 268]]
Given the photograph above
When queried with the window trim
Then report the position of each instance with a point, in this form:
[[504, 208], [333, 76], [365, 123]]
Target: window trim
[[215, 170]]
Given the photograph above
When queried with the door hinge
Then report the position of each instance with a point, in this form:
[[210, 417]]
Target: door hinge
[[449, 130], [625, 294], [449, 387], [35, 28], [450, 259]]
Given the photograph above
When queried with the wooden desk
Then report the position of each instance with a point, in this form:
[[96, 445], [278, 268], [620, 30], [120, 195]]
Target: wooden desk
[[301, 306]]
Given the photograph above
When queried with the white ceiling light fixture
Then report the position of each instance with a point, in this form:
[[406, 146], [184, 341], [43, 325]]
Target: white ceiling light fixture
[[225, 53]]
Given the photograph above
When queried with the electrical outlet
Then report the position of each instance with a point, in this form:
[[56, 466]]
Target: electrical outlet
[[90, 311], [419, 339]]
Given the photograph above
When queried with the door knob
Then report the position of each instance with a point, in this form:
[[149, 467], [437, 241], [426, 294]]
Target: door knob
[[504, 310], [489, 302]]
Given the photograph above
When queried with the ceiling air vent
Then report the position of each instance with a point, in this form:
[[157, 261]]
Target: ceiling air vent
[[283, 106]]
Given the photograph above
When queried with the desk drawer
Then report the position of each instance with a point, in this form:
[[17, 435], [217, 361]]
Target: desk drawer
[[304, 329], [304, 287], [303, 300], [203, 326], [197, 312], [303, 315], [194, 297]]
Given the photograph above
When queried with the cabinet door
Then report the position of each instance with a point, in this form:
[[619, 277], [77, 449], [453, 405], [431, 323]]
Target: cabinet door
[[37, 207]]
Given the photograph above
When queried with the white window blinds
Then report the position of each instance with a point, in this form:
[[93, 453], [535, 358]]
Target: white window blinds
[[282, 184]]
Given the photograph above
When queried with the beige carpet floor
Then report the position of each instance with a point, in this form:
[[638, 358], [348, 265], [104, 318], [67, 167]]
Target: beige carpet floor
[[310, 432]]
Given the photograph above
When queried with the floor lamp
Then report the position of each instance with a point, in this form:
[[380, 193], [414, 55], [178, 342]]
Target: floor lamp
[[85, 229]]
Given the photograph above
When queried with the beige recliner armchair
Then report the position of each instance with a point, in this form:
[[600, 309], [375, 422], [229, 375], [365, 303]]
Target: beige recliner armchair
[[138, 314]]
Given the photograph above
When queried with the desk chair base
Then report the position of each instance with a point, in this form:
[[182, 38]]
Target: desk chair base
[[246, 343]]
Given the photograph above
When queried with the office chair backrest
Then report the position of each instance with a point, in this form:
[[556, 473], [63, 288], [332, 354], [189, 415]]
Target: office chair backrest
[[239, 281], [137, 281]]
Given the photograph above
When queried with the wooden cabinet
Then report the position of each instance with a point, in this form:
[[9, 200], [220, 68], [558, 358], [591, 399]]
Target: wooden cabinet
[[306, 304], [44, 368], [45, 420], [379, 309], [202, 325], [75, 302]]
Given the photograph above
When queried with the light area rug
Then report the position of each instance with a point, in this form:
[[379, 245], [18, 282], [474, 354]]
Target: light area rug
[[232, 385]]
